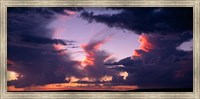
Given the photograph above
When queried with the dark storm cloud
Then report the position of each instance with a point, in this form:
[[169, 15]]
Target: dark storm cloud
[[163, 75], [171, 72], [148, 20], [47, 12], [29, 42], [33, 20], [36, 68], [162, 66], [164, 46], [154, 57]]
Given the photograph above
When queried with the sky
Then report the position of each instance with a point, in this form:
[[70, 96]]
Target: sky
[[115, 49]]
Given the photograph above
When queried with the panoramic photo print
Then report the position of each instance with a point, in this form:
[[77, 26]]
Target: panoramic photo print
[[100, 49]]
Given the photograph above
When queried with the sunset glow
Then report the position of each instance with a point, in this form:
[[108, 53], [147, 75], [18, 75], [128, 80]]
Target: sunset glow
[[87, 61], [67, 49], [12, 75], [73, 86], [124, 74], [145, 45]]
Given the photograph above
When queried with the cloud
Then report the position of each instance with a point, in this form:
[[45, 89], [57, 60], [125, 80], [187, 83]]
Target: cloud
[[161, 42], [159, 65], [36, 68], [29, 42], [94, 61], [166, 20], [43, 40], [155, 64], [47, 12]]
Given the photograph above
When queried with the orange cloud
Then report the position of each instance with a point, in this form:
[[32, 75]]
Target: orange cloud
[[90, 51], [145, 45]]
